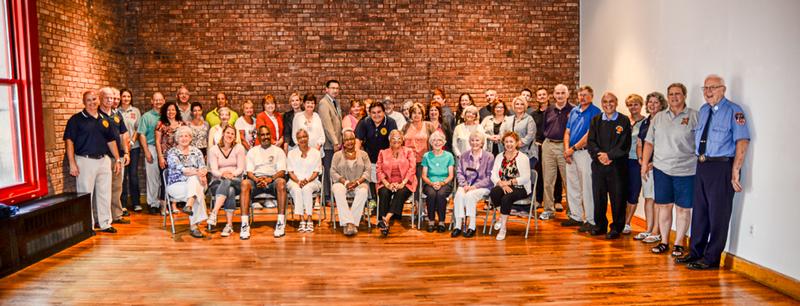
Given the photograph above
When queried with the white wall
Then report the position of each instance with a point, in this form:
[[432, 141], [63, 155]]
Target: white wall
[[630, 46]]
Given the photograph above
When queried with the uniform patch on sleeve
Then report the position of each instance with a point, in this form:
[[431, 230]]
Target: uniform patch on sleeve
[[739, 116]]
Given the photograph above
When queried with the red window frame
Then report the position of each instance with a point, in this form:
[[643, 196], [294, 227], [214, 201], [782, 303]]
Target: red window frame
[[24, 42]]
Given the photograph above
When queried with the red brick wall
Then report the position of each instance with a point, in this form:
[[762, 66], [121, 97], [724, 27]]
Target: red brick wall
[[80, 44], [403, 49]]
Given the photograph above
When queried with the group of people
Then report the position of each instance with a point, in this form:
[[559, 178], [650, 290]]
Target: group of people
[[315, 151]]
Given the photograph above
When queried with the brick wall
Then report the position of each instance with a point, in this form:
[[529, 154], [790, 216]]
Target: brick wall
[[248, 49], [80, 44]]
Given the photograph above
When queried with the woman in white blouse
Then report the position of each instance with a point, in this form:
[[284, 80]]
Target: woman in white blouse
[[304, 165], [463, 130], [309, 121], [511, 175], [246, 125]]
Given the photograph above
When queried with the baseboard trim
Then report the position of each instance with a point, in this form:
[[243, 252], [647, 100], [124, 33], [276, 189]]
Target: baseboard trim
[[765, 276]]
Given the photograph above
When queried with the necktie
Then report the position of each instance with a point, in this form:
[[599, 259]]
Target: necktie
[[704, 136]]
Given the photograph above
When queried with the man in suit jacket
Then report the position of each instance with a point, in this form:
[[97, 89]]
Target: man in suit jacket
[[331, 115]]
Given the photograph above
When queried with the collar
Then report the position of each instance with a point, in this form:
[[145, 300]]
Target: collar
[[581, 111], [330, 98], [87, 115], [672, 115], [722, 103], [613, 117]]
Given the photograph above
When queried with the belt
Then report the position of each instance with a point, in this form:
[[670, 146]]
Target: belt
[[703, 159], [93, 156], [556, 141]]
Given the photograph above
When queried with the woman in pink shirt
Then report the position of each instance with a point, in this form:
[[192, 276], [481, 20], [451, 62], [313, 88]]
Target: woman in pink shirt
[[396, 169], [350, 121], [227, 163]]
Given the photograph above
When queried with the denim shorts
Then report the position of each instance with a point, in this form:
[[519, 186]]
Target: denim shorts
[[673, 189]]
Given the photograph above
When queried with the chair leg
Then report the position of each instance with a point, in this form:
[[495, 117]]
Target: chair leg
[[171, 218]]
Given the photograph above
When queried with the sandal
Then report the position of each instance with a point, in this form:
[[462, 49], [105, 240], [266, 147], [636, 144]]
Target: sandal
[[641, 236], [678, 251], [652, 239], [660, 248]]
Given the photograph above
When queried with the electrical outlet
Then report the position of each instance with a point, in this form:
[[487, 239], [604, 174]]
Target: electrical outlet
[[752, 229]]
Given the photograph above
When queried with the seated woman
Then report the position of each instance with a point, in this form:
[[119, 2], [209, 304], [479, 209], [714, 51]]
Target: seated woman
[[437, 173], [226, 163], [304, 164], [349, 173], [474, 173], [186, 178], [511, 175], [396, 168]]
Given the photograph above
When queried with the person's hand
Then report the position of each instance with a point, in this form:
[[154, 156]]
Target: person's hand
[[126, 159], [568, 152], [203, 180], [147, 157], [279, 142], [437, 185], [267, 181], [643, 172], [352, 185], [117, 167], [737, 186], [603, 158], [469, 188], [203, 171], [568, 159], [73, 170], [302, 183], [261, 182], [507, 189], [162, 163], [650, 167]]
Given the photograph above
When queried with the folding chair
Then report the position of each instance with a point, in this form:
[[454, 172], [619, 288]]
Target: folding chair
[[320, 210], [350, 195], [167, 210], [530, 201], [422, 208]]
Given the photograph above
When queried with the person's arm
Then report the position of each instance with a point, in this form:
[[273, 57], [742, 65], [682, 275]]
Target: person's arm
[[530, 134], [159, 154], [567, 150], [112, 146], [591, 143], [450, 175], [336, 162], [496, 169], [213, 162], [738, 162], [320, 137], [639, 149], [411, 171], [485, 175], [462, 178], [240, 161], [524, 177], [326, 117], [73, 166], [211, 132]]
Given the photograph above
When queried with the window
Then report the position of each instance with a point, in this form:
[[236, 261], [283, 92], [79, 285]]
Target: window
[[22, 170]]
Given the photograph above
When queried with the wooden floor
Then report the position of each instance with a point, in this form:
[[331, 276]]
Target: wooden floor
[[142, 264]]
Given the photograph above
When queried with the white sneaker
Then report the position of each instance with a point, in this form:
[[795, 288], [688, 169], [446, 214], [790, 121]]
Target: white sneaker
[[641, 236], [212, 219], [302, 227], [501, 235], [497, 226], [546, 215], [514, 212], [270, 204], [257, 206], [280, 229], [227, 230], [310, 226], [244, 234], [627, 229]]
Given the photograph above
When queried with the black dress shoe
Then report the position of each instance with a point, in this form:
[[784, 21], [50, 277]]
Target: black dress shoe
[[431, 228], [612, 235], [469, 233], [110, 230], [121, 221], [441, 229], [585, 227], [596, 231], [571, 222], [153, 210], [686, 259], [196, 233], [381, 224], [455, 233], [699, 265]]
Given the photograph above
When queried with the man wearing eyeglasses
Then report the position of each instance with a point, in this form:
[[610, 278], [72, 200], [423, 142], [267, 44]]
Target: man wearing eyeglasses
[[721, 143]]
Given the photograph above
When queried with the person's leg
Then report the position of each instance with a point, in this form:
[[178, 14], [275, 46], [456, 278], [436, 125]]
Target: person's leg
[[584, 162], [574, 192], [220, 188], [132, 175], [84, 183], [719, 212], [398, 201], [648, 193], [561, 178], [665, 197], [684, 192], [385, 198], [550, 171], [506, 202], [634, 186], [326, 164], [297, 197], [244, 200], [308, 198], [441, 202], [340, 196], [280, 190], [430, 199], [359, 201], [116, 192], [153, 178], [230, 205], [600, 192], [496, 196], [539, 183], [102, 192], [470, 203], [196, 191], [458, 207], [617, 186]]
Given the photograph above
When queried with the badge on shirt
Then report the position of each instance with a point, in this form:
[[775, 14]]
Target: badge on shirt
[[116, 119], [105, 123], [739, 118], [685, 121], [619, 129], [383, 131]]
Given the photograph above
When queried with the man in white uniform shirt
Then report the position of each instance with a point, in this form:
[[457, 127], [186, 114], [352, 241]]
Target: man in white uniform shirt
[[266, 172]]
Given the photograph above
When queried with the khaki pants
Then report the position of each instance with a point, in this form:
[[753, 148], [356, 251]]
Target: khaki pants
[[116, 192], [350, 213], [552, 161], [579, 187], [153, 178], [95, 177]]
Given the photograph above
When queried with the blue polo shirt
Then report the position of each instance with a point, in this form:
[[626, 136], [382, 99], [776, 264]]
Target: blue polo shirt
[[374, 139], [728, 125], [90, 135], [578, 123], [118, 128]]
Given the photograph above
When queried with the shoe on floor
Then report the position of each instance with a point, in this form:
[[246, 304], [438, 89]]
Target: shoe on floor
[[686, 259], [546, 215], [110, 230], [212, 219], [431, 227], [585, 227], [270, 204], [153, 210], [196, 233], [469, 233], [559, 207], [660, 248], [497, 226], [280, 230], [310, 226], [244, 233], [652, 239], [700, 265], [227, 230], [455, 233], [571, 222], [627, 230], [257, 206], [613, 235], [501, 235], [125, 212], [137, 208], [641, 236], [596, 231], [121, 221], [302, 227]]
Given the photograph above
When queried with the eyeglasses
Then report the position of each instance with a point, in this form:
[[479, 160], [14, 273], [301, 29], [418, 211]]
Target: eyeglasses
[[714, 87]]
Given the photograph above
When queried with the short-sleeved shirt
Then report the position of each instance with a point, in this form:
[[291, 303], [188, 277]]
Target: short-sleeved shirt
[[117, 127], [89, 135], [635, 137], [176, 161], [304, 167], [186, 114], [147, 126], [374, 139], [199, 135], [265, 162], [672, 137], [213, 117], [555, 121], [578, 123], [131, 118], [438, 166], [728, 125], [167, 136], [249, 130]]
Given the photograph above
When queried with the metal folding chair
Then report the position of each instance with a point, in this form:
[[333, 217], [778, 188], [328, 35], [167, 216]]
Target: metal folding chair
[[320, 210], [423, 208], [530, 201], [350, 195], [167, 210]]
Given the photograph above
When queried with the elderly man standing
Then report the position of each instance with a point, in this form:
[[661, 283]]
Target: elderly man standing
[[330, 113], [721, 145], [107, 110], [553, 162], [89, 142], [147, 139], [579, 163]]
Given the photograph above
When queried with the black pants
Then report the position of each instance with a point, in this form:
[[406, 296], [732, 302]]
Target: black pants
[[506, 200], [326, 165], [610, 182], [130, 180], [711, 212], [437, 201], [392, 202]]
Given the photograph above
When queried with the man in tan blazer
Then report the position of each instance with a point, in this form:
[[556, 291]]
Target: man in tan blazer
[[330, 113]]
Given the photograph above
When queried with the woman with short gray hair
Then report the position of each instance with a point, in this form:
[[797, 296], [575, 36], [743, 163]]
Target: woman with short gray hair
[[463, 131], [186, 178], [474, 173], [437, 173]]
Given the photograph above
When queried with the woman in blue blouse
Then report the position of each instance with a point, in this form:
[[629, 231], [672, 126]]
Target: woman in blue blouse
[[474, 172], [186, 178]]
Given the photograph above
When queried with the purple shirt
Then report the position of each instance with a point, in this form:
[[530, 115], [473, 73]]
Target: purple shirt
[[555, 121], [480, 177]]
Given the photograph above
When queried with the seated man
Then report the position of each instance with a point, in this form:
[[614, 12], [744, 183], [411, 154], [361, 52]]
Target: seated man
[[266, 171]]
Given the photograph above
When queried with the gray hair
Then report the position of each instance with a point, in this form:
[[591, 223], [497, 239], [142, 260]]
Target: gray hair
[[304, 131], [716, 76], [182, 130], [480, 136], [437, 135], [471, 109]]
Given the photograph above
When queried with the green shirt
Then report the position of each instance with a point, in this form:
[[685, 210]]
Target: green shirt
[[147, 126], [438, 166], [213, 118]]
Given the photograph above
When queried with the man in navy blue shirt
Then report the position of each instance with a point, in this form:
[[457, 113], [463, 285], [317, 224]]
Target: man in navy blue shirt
[[372, 136], [108, 111], [89, 139]]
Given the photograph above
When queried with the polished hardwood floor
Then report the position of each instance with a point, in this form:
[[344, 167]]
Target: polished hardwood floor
[[143, 264]]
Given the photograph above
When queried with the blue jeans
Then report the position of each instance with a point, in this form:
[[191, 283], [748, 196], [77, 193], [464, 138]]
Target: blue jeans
[[130, 181]]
